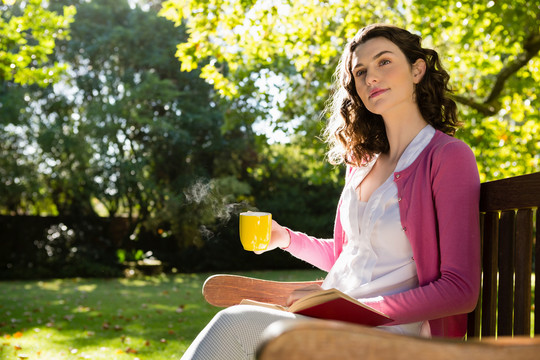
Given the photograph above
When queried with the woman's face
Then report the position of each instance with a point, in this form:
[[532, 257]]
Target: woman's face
[[383, 77]]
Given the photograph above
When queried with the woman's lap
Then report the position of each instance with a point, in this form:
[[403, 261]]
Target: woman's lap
[[234, 333]]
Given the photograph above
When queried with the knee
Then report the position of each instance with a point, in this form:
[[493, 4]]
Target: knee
[[233, 315]]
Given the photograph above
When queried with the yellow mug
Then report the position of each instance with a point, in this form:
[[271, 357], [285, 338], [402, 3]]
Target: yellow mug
[[255, 230]]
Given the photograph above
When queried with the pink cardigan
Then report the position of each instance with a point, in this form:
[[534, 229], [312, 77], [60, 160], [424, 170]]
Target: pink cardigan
[[438, 200]]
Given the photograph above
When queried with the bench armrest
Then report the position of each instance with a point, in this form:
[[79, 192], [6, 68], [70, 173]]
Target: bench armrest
[[323, 340], [228, 290]]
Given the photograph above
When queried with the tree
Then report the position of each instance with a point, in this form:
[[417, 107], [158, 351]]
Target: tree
[[126, 131], [292, 48], [28, 35]]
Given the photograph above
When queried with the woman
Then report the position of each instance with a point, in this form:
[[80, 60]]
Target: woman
[[406, 238]]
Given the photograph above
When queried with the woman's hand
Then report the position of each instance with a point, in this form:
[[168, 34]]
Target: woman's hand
[[300, 293], [278, 238]]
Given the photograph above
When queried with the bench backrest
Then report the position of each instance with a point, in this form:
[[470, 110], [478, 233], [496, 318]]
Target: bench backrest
[[509, 227]]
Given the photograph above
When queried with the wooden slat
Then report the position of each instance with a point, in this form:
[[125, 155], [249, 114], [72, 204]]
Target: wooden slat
[[506, 273], [537, 278], [522, 312], [513, 193], [474, 318], [490, 259]]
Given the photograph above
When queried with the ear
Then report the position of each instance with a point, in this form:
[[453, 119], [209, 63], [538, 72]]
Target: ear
[[418, 70]]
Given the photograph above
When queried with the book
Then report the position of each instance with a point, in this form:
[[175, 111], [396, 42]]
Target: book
[[331, 304]]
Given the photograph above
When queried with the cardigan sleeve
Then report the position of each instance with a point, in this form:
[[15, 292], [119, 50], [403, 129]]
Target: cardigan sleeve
[[443, 227], [318, 252]]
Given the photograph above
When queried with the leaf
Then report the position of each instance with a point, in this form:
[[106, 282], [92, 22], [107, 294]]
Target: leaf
[[131, 351]]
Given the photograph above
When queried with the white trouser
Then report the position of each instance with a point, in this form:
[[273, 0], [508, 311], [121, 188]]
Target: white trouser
[[234, 333]]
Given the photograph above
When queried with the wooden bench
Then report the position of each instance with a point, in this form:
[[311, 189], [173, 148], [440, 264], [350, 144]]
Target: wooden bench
[[509, 234]]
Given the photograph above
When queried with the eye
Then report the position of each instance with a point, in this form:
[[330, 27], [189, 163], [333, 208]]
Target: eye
[[384, 62], [360, 72]]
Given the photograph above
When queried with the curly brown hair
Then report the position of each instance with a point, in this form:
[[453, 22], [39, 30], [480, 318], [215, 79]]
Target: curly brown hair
[[355, 134]]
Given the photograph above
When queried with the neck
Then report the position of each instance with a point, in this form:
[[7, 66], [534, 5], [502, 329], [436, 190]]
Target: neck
[[401, 130]]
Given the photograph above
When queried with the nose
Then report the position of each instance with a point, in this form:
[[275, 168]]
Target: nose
[[371, 77]]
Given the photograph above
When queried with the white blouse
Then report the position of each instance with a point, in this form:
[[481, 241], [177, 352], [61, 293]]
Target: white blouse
[[377, 259]]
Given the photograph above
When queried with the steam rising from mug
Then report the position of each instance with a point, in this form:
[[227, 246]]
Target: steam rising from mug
[[210, 203]]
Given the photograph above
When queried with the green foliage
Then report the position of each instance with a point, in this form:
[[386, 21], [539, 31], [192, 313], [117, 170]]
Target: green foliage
[[490, 48], [28, 35], [125, 129], [300, 193], [132, 255]]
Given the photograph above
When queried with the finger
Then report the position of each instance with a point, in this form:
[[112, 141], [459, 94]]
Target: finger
[[290, 300]]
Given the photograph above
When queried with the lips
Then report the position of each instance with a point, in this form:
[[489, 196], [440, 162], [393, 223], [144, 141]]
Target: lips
[[376, 92]]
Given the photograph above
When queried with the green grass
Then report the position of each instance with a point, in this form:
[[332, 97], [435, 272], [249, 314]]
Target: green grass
[[146, 318]]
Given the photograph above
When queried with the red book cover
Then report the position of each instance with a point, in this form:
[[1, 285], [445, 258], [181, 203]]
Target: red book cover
[[332, 304], [344, 310]]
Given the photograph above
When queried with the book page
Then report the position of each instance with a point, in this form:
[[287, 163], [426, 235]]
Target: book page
[[258, 303], [325, 296]]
